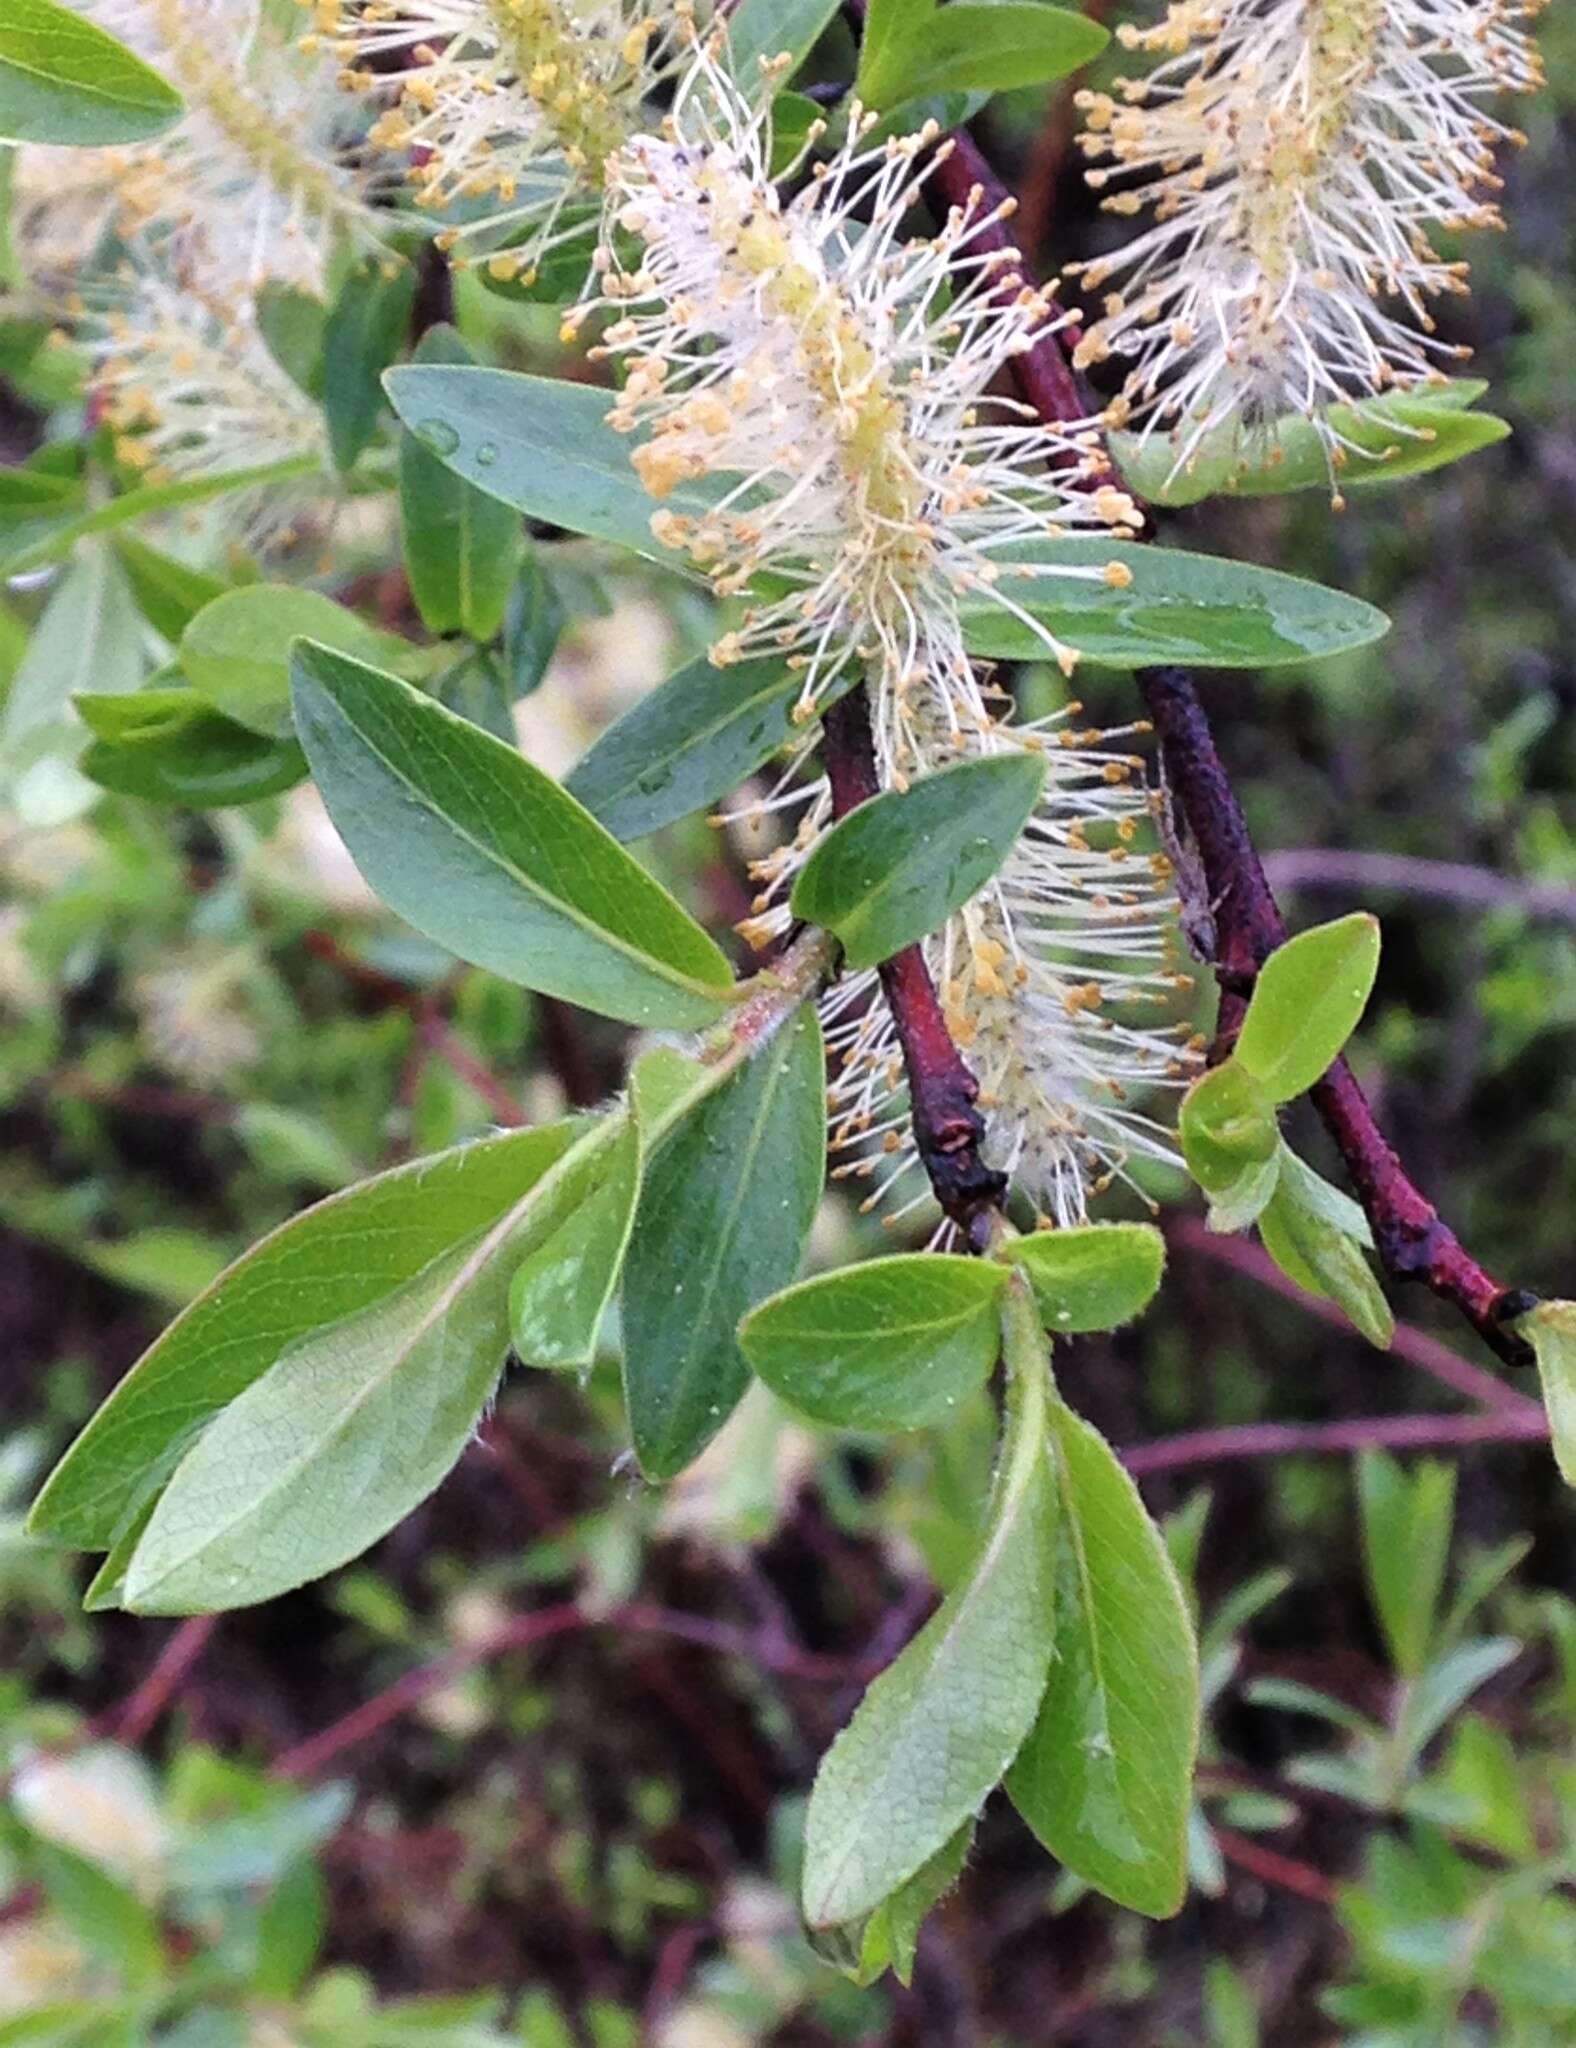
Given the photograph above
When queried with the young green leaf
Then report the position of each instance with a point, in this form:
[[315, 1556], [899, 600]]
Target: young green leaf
[[893, 1344], [1406, 1524], [560, 1291], [1092, 1278], [486, 855], [1322, 1256], [1105, 1778], [888, 1938], [329, 1264], [64, 79], [897, 867], [1551, 1331], [353, 1424], [365, 327], [724, 1213], [696, 736], [1227, 1127], [461, 546], [236, 652], [1307, 1001], [912, 47], [1383, 441], [936, 1730]]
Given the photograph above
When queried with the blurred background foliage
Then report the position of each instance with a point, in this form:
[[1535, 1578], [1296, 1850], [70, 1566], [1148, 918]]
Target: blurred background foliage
[[206, 1021]]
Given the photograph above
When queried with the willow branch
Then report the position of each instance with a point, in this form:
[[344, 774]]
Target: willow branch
[[1412, 1240]]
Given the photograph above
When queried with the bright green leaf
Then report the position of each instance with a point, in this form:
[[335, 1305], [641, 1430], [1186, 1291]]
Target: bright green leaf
[[893, 1344], [1322, 1257], [888, 1938], [324, 1267], [1091, 1278], [236, 652], [937, 1729], [724, 1213], [461, 547], [352, 1425], [897, 867], [1105, 1778], [1407, 1515], [1306, 1003], [560, 1291], [201, 762], [64, 79], [912, 47], [484, 854]]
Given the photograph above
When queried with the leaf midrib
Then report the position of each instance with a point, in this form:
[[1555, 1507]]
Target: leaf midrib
[[490, 1242], [657, 969]]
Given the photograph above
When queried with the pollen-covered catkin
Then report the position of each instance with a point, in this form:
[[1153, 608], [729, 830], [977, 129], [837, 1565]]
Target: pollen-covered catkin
[[1294, 158], [820, 435], [504, 111]]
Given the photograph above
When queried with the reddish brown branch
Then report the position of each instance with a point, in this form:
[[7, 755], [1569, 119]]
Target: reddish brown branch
[[948, 1127], [171, 1668], [1411, 1239], [1412, 1345]]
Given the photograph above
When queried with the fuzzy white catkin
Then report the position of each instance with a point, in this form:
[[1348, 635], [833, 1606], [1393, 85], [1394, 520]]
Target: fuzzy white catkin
[[1293, 158]]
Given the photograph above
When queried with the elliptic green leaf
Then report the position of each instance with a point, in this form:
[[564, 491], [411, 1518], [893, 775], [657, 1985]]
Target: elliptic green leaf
[[912, 47], [695, 737], [171, 593], [1306, 1003], [332, 1263], [898, 866], [724, 1213], [893, 1344], [541, 445], [937, 1729], [1105, 1779], [486, 855], [1321, 1255], [461, 547], [198, 760], [236, 651], [64, 79], [544, 446], [365, 327], [1178, 607], [1551, 1331], [560, 1291], [353, 1424], [1404, 434], [1092, 1278]]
